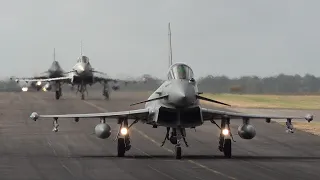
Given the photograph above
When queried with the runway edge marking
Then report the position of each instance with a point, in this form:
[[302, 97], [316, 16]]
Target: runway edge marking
[[169, 150]]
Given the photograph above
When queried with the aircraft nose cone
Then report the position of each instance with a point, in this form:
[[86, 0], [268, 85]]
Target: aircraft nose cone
[[54, 68], [182, 94], [178, 98], [80, 69]]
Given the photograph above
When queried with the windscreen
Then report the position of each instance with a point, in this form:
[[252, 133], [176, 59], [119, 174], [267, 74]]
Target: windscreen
[[180, 71]]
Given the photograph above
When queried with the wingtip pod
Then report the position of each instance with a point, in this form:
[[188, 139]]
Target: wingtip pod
[[34, 116], [309, 117]]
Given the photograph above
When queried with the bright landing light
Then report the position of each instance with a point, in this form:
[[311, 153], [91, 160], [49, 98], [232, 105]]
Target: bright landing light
[[24, 89], [124, 131], [225, 132], [39, 83], [44, 89]]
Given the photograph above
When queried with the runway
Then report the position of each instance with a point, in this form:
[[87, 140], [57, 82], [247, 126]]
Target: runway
[[30, 150]]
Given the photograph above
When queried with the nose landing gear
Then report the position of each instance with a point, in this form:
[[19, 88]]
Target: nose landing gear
[[82, 89], [177, 135], [58, 91]]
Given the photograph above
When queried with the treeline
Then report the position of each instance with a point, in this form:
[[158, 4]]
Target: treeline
[[280, 84]]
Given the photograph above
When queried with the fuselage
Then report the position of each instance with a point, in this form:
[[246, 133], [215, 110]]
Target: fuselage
[[82, 71], [55, 74], [54, 71], [181, 108]]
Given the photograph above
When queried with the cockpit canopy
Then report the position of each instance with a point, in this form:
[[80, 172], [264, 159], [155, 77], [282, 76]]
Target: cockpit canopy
[[180, 71], [83, 59]]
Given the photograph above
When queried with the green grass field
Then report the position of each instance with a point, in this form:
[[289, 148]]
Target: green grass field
[[313, 127], [269, 101]]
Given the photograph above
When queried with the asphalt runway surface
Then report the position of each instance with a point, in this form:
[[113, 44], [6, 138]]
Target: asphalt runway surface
[[30, 150]]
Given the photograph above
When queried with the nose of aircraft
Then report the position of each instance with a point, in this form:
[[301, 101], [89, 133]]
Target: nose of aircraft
[[54, 68], [81, 68], [182, 94]]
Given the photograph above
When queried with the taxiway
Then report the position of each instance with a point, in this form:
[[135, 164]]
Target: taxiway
[[30, 150]]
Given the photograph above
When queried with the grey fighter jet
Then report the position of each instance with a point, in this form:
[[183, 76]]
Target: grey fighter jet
[[54, 71], [175, 106], [81, 75]]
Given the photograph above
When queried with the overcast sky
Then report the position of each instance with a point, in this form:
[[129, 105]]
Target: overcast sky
[[130, 37]]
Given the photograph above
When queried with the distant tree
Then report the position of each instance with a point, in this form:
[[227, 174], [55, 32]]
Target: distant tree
[[280, 84]]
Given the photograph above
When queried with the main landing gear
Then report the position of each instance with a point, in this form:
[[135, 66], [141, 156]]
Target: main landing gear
[[177, 135], [58, 90], [105, 91], [123, 137], [225, 137]]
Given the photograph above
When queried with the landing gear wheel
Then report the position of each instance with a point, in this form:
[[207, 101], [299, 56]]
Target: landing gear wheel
[[178, 152], [121, 147], [82, 96], [227, 148], [57, 94]]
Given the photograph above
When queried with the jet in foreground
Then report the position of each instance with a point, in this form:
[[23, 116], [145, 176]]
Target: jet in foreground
[[55, 71], [175, 106]]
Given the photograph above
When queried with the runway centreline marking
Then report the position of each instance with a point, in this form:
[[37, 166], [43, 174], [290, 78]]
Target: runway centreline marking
[[169, 150]]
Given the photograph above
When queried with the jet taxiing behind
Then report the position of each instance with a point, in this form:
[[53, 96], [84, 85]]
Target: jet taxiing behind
[[174, 105], [82, 74], [54, 71]]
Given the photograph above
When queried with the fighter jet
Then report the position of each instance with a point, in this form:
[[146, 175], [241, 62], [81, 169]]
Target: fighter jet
[[81, 75], [174, 105], [55, 71]]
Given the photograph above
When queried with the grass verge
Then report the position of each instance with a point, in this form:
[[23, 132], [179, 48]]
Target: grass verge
[[269, 101]]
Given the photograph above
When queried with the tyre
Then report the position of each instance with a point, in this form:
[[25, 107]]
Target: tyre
[[178, 152], [227, 148], [121, 147]]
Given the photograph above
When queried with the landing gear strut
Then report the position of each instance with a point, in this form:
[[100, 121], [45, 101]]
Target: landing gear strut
[[105, 90], [177, 135], [289, 126], [58, 90], [180, 135], [82, 89]]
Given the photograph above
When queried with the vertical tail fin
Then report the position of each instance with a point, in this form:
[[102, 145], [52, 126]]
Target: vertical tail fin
[[54, 54], [170, 47], [81, 48]]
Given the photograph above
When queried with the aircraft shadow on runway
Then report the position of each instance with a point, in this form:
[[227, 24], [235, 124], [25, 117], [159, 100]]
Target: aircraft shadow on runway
[[168, 157], [199, 157]]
